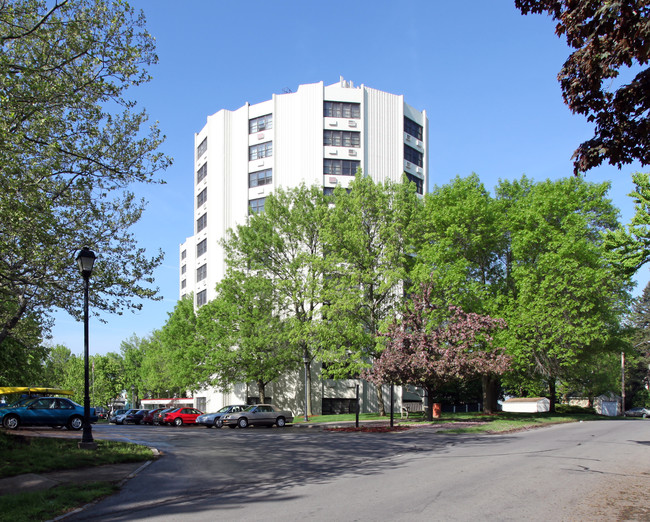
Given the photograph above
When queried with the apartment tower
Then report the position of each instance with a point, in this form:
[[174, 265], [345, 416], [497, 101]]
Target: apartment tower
[[317, 135]]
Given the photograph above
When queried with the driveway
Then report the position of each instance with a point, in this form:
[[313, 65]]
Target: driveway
[[578, 471]]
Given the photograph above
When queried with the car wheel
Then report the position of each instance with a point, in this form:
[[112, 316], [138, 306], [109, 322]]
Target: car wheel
[[57, 427], [11, 422], [243, 422], [218, 423], [75, 423], [280, 422], [178, 421]]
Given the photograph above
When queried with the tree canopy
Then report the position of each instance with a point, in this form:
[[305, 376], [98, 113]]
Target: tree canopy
[[71, 147], [610, 37], [427, 351]]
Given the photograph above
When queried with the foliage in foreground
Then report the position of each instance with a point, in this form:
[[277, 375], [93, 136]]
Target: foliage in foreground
[[40, 454]]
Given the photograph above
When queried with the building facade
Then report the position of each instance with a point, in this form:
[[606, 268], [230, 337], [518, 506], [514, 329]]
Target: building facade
[[318, 135]]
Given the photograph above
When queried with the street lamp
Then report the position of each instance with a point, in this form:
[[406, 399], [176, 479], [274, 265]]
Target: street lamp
[[305, 359], [85, 261]]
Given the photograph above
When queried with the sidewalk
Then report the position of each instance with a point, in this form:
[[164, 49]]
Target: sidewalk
[[118, 473]]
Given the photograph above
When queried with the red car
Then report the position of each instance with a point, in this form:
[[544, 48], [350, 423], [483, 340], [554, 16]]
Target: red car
[[180, 416], [148, 418]]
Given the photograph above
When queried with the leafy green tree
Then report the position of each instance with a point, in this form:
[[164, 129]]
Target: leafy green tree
[[630, 246], [132, 356], [608, 36], [246, 332], [284, 244], [637, 356], [183, 357], [107, 378], [369, 252], [22, 356], [462, 242], [71, 146], [565, 299], [425, 351]]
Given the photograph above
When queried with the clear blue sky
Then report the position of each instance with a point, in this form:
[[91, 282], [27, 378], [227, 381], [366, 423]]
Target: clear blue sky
[[485, 74]]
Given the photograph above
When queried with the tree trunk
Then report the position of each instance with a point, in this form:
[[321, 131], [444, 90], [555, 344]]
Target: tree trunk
[[308, 384], [429, 410], [552, 394], [260, 392], [380, 400], [490, 393]]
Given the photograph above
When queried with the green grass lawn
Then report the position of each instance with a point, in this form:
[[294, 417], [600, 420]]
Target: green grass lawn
[[39, 455], [496, 423]]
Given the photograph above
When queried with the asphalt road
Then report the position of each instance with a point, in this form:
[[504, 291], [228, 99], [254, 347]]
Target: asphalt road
[[580, 471]]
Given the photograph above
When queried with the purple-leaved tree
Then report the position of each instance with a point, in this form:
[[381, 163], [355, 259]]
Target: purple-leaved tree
[[426, 349]]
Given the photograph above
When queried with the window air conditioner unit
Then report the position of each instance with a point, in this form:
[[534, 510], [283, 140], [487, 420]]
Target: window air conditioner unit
[[408, 137]]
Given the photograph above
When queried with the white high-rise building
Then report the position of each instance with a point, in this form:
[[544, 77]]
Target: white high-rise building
[[317, 135]]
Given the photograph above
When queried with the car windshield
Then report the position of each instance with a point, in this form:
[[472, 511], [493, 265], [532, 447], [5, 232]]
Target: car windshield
[[21, 402], [224, 409], [250, 408]]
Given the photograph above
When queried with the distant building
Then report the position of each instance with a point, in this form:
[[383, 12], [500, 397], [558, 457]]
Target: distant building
[[318, 135]]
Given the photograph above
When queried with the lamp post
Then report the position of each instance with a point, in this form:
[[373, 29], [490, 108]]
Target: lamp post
[[305, 359], [85, 261]]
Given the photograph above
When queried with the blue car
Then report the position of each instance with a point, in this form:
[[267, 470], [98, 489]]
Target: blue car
[[45, 411]]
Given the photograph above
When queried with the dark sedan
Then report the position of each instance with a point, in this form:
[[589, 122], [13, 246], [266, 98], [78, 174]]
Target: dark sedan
[[46, 411], [135, 417]]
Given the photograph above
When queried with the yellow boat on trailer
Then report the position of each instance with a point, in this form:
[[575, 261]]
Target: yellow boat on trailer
[[33, 391]]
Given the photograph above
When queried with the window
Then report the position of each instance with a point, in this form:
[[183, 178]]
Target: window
[[412, 155], [339, 167], [201, 298], [183, 283], [202, 248], [412, 128], [202, 272], [183, 254], [202, 148], [202, 197], [183, 269], [202, 173], [418, 182], [256, 205], [261, 150], [260, 124], [202, 222], [342, 110], [260, 177], [338, 138], [328, 191]]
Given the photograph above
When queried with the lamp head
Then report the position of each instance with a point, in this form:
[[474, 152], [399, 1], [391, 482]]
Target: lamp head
[[85, 261]]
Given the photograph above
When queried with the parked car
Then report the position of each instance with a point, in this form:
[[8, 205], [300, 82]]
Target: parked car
[[638, 412], [214, 419], [119, 417], [258, 415], [45, 411], [112, 418], [102, 413], [180, 416], [159, 416], [134, 416], [148, 417]]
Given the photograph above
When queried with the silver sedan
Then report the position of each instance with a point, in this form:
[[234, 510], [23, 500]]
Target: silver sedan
[[214, 419], [258, 415]]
